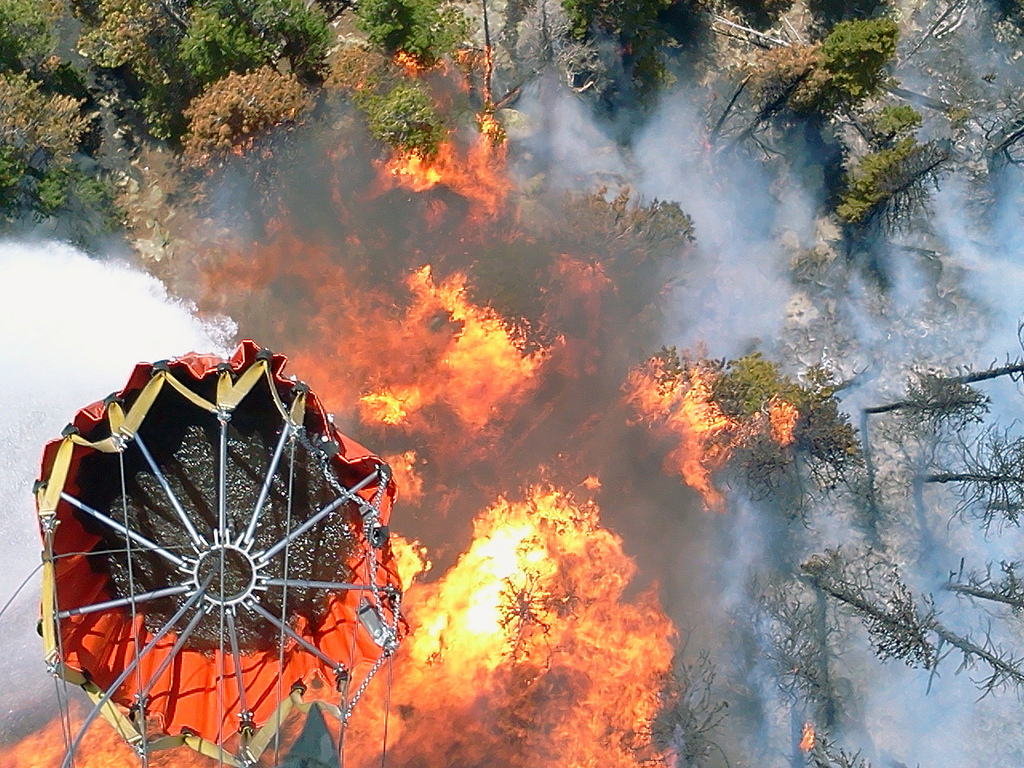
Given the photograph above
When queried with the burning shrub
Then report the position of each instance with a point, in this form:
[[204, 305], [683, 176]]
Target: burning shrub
[[238, 107], [426, 30], [529, 651], [744, 413], [404, 118]]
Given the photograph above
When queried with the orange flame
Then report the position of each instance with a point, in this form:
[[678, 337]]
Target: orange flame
[[476, 173], [682, 403], [477, 365], [409, 63], [686, 409], [783, 417], [413, 171], [807, 742], [100, 748], [404, 467], [526, 648]]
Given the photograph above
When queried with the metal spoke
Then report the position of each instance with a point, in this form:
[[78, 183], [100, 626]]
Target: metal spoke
[[268, 482], [107, 694], [128, 532], [156, 594], [159, 475], [347, 495], [182, 639], [340, 586], [222, 471], [237, 657], [292, 634]]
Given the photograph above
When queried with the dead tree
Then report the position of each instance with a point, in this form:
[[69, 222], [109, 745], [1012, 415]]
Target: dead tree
[[900, 628], [1008, 589], [799, 636], [690, 713], [825, 755], [991, 479]]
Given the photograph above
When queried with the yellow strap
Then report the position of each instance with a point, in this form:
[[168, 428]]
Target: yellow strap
[[331, 709], [112, 714], [106, 445], [140, 408], [189, 395], [208, 748], [261, 740], [48, 495], [230, 395], [274, 396], [298, 412], [48, 605], [72, 676], [223, 386]]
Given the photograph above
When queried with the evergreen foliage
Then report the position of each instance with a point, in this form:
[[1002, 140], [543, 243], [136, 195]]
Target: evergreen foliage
[[855, 55], [39, 133], [635, 25], [426, 30], [890, 184], [27, 33], [404, 118]]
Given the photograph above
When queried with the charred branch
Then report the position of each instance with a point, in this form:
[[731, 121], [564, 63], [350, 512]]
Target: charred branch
[[936, 398], [800, 635], [717, 129], [900, 629], [690, 713], [825, 755], [991, 479], [1008, 590]]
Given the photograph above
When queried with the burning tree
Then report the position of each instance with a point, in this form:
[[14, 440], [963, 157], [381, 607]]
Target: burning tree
[[746, 413]]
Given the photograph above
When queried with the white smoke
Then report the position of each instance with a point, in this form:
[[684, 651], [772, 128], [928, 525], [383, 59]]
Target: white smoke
[[72, 328]]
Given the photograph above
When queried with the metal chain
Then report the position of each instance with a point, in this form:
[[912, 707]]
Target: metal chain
[[363, 686], [385, 475]]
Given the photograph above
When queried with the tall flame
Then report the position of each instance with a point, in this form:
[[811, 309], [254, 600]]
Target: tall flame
[[683, 404], [807, 740], [476, 172], [526, 652], [475, 368]]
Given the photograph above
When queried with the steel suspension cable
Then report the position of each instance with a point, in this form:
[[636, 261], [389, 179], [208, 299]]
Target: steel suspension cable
[[141, 704], [61, 686], [222, 538], [387, 713], [284, 599]]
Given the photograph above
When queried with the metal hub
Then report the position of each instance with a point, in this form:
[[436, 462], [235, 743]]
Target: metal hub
[[233, 570]]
